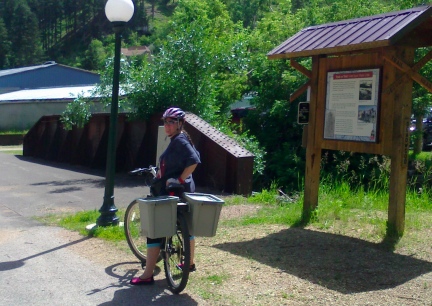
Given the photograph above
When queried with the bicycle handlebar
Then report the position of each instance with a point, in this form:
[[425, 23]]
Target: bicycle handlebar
[[172, 188], [140, 171]]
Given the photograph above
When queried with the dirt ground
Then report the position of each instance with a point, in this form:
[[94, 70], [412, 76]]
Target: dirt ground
[[276, 265]]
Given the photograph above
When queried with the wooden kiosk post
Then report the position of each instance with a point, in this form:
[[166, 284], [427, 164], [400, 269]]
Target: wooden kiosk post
[[361, 93]]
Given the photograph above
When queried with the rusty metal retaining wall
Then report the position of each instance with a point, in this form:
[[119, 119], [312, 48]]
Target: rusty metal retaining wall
[[225, 165]]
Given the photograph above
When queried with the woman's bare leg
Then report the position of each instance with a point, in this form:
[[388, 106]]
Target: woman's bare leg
[[152, 256]]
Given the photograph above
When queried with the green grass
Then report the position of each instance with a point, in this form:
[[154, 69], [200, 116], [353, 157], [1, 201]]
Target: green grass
[[13, 152], [424, 159], [204, 286], [216, 279], [79, 221], [13, 132], [340, 210], [424, 156]]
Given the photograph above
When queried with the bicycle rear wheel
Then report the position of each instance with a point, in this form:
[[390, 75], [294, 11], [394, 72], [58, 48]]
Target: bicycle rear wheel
[[177, 256], [132, 227]]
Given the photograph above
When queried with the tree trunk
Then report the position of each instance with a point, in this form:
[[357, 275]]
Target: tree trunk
[[418, 139]]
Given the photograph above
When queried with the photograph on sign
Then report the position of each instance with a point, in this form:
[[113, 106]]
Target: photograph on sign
[[352, 105]]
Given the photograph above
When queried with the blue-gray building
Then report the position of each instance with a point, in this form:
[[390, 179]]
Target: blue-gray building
[[47, 75], [28, 93]]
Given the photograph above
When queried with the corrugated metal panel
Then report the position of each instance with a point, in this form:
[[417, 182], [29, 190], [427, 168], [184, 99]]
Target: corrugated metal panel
[[220, 169], [229, 144], [355, 34]]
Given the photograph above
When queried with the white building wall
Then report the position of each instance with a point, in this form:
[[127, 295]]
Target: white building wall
[[21, 116]]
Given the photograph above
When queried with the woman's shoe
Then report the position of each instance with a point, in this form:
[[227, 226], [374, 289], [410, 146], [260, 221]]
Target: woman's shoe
[[138, 281]]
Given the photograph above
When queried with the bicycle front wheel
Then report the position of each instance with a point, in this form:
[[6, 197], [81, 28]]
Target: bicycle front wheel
[[177, 256], [132, 227]]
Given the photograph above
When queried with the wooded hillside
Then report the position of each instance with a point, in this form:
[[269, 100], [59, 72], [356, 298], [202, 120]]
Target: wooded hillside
[[32, 31], [205, 54]]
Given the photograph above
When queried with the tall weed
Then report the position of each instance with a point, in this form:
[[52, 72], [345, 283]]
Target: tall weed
[[357, 169]]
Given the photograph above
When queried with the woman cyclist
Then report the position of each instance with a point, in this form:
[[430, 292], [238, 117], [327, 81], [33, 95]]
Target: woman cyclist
[[176, 165]]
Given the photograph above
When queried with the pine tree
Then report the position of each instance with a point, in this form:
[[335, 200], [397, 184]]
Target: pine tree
[[24, 35], [4, 45], [139, 21]]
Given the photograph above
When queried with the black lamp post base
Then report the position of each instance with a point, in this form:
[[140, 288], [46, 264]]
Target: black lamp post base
[[107, 219]]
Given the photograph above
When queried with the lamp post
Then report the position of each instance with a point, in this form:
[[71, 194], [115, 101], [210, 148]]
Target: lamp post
[[119, 12]]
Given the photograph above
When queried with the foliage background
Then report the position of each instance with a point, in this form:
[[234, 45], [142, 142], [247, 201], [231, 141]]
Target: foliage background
[[206, 54]]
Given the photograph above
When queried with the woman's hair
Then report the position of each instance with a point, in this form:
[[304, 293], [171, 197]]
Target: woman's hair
[[187, 135]]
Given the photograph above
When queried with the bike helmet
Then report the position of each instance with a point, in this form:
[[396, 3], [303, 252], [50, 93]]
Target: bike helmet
[[174, 112]]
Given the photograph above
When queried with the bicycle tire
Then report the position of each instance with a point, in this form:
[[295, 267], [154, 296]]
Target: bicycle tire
[[176, 252], [132, 227]]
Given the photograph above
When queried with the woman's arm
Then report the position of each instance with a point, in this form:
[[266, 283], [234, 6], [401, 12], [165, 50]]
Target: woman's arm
[[186, 172]]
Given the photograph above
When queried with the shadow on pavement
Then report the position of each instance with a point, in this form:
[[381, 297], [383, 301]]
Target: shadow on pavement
[[340, 263], [94, 183], [10, 265], [156, 294], [59, 165], [122, 179]]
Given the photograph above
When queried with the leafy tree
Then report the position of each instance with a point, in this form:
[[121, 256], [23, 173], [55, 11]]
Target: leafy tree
[[77, 113], [94, 56], [422, 101], [200, 65], [274, 122], [323, 11], [406, 4], [204, 59], [247, 11], [297, 4]]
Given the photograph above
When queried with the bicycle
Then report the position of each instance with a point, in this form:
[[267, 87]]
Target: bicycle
[[175, 250]]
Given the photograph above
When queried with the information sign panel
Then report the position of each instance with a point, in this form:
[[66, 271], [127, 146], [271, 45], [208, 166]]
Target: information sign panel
[[352, 105]]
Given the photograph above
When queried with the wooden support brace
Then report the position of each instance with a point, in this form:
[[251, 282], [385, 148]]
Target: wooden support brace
[[305, 86], [299, 91], [410, 72], [301, 69]]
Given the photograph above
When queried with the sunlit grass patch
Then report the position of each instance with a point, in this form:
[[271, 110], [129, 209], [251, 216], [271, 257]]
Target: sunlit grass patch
[[80, 221], [340, 210]]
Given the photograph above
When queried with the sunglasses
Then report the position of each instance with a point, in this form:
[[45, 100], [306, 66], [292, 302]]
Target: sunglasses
[[169, 122]]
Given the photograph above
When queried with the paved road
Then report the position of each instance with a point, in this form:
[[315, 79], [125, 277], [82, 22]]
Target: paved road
[[37, 263]]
